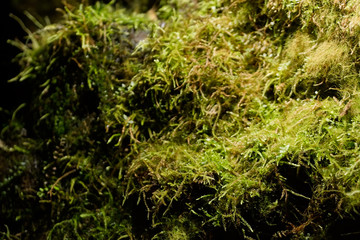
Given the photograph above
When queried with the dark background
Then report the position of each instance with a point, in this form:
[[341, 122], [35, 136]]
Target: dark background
[[13, 94], [9, 95]]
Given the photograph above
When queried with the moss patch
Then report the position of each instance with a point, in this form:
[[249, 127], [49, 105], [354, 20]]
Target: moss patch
[[196, 120]]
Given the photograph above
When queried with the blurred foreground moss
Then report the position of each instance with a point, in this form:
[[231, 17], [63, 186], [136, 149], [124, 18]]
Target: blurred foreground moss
[[197, 120]]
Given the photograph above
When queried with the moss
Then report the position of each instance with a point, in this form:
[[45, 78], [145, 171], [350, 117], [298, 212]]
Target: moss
[[297, 47], [322, 61], [197, 120]]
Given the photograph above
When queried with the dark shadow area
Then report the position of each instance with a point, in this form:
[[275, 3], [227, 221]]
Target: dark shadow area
[[11, 95], [345, 229]]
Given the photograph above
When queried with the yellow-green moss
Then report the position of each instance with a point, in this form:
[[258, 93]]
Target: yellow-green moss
[[233, 119]]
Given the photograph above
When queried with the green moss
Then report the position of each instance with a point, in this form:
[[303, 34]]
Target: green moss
[[214, 119]]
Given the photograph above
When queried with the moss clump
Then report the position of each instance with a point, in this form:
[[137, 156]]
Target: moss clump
[[323, 62], [297, 47], [213, 119]]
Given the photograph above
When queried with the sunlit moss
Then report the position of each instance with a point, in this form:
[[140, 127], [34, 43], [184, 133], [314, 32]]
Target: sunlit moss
[[208, 118], [322, 62], [297, 48]]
